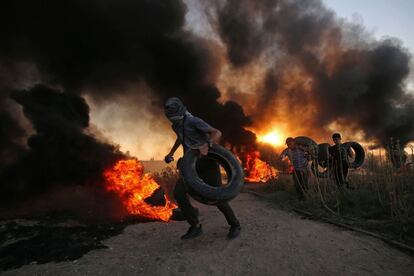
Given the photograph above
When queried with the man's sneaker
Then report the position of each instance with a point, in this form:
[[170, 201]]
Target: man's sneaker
[[234, 232], [193, 232]]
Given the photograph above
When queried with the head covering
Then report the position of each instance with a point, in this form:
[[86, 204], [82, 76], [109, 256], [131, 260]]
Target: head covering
[[174, 109]]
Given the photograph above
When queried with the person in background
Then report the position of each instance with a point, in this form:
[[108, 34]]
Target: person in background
[[193, 133], [299, 159], [339, 163]]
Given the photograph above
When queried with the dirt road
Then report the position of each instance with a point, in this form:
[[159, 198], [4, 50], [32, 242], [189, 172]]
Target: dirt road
[[273, 242]]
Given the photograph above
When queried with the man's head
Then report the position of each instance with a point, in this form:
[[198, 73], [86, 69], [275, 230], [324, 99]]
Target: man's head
[[336, 137], [174, 109], [290, 142]]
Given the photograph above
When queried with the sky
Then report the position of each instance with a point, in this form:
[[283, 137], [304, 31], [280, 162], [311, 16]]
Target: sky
[[383, 18], [393, 18]]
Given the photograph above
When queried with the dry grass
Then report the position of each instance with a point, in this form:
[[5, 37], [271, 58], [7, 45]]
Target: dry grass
[[379, 198]]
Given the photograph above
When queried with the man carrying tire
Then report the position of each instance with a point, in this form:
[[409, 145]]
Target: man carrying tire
[[339, 163], [299, 159], [193, 133]]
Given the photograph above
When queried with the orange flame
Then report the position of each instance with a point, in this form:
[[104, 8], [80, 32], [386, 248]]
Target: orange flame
[[127, 179], [258, 170]]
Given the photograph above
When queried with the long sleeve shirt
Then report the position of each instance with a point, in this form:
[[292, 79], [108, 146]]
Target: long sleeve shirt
[[192, 132], [298, 158]]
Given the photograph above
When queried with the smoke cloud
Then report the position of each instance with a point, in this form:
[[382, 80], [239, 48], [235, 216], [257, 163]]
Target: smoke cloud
[[60, 153], [315, 76], [98, 49], [313, 73]]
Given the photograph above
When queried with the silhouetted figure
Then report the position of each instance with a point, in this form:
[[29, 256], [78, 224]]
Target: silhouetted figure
[[193, 133], [339, 163], [299, 159]]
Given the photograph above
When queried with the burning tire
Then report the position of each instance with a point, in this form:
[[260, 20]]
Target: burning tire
[[205, 193], [359, 154]]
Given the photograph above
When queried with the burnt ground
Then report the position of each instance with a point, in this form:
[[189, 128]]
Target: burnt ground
[[55, 238], [38, 242], [273, 241]]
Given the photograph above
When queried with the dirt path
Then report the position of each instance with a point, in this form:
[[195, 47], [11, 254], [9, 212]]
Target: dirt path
[[272, 242]]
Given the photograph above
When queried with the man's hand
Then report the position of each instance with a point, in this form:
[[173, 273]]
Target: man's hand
[[203, 149], [215, 136], [168, 158]]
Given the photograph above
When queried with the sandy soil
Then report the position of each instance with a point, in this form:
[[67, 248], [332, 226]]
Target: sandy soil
[[156, 166], [272, 242]]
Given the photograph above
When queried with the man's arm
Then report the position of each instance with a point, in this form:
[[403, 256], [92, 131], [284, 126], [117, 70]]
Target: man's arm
[[214, 136], [350, 153], [284, 154], [169, 157]]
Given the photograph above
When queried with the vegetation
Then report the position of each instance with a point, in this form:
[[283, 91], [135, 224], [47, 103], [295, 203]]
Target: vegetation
[[379, 198]]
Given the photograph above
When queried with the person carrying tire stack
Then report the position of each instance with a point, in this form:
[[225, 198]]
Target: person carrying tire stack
[[299, 159], [193, 133], [339, 163]]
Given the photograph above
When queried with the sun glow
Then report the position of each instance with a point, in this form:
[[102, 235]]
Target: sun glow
[[275, 138]]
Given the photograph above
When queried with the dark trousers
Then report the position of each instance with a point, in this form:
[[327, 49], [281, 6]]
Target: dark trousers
[[340, 173], [300, 179], [209, 171]]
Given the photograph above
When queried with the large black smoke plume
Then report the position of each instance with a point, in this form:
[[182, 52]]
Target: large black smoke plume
[[97, 48], [360, 85], [314, 63], [60, 153]]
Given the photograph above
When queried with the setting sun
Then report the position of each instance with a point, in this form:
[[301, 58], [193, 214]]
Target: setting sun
[[274, 138]]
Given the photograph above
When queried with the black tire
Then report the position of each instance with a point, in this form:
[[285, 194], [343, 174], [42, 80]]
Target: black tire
[[359, 154], [305, 141], [157, 198], [323, 155], [307, 144], [205, 193]]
